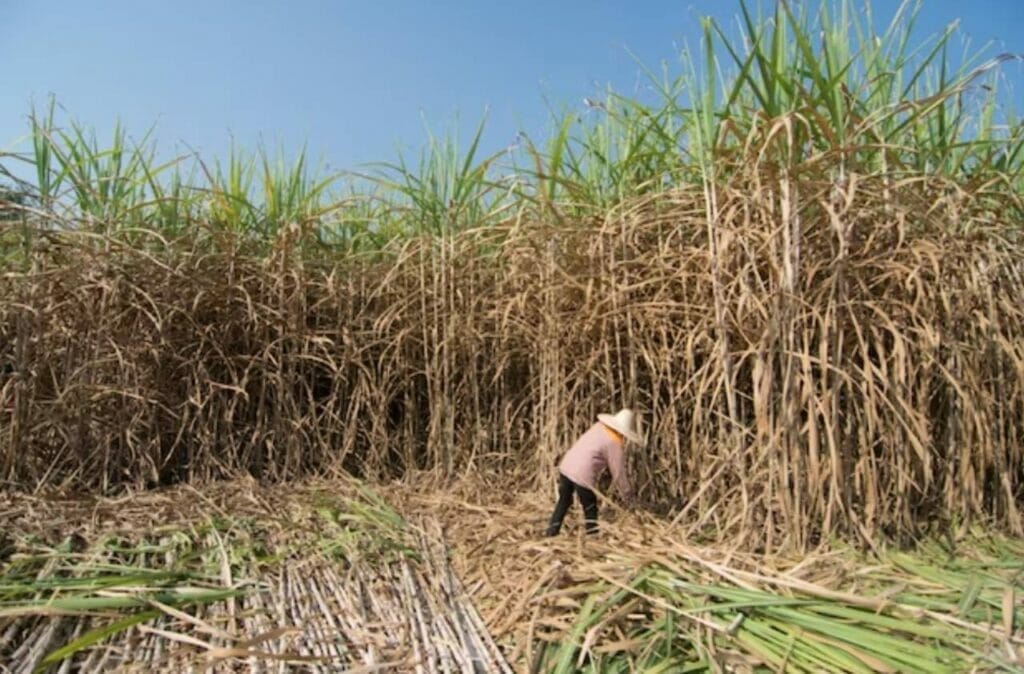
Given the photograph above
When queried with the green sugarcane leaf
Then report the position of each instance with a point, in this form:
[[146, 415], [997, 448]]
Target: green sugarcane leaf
[[95, 636]]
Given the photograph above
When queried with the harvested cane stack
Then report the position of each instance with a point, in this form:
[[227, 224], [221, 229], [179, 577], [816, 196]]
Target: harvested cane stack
[[645, 595], [275, 580]]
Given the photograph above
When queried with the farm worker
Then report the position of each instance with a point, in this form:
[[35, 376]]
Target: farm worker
[[599, 448]]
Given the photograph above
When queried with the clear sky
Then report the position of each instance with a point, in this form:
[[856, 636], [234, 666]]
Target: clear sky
[[357, 79]]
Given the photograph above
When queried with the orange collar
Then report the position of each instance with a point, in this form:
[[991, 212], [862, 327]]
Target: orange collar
[[614, 434]]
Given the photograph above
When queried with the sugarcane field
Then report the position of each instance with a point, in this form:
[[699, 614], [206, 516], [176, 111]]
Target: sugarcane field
[[727, 377]]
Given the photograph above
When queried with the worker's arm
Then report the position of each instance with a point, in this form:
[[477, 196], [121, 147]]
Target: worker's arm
[[617, 465]]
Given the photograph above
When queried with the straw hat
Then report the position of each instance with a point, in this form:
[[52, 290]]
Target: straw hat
[[624, 421]]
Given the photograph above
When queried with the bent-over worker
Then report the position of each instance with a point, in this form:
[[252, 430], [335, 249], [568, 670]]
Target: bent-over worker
[[599, 448]]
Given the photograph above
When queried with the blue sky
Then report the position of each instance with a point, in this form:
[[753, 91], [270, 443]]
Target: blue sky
[[357, 79]]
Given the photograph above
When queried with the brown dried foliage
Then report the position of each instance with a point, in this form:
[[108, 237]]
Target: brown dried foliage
[[810, 357]]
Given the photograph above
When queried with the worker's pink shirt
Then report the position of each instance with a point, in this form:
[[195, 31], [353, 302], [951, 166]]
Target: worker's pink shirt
[[590, 455]]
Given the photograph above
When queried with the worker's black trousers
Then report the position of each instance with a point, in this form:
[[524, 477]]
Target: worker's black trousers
[[587, 499]]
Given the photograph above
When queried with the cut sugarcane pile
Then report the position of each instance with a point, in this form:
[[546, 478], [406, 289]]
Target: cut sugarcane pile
[[226, 577], [328, 576], [646, 596]]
